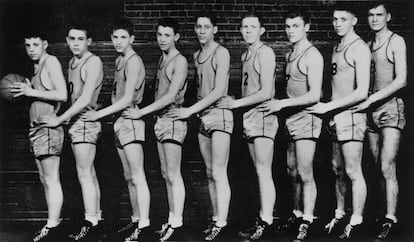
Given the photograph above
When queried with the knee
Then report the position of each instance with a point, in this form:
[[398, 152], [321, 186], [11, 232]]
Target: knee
[[306, 174], [389, 172], [209, 174], [42, 179], [218, 174], [353, 172], [172, 177], [292, 172]]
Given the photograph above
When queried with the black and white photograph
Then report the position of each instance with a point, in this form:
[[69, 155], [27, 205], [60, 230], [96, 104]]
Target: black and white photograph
[[206, 120]]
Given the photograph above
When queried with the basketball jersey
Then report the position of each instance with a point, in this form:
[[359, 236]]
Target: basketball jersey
[[251, 82], [206, 74], [118, 90], [40, 108], [297, 79], [163, 83], [76, 82], [382, 66], [343, 72]]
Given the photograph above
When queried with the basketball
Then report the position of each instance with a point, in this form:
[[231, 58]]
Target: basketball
[[6, 84]]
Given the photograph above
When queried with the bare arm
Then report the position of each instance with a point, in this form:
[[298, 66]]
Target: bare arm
[[398, 48], [179, 76], [314, 63], [93, 68], [133, 68], [220, 83], [267, 62], [59, 91]]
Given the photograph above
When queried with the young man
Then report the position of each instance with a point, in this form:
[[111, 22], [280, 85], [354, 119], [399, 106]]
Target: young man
[[47, 89], [212, 62], [85, 82], [304, 73], [170, 87], [385, 107], [350, 83], [128, 90], [258, 86]]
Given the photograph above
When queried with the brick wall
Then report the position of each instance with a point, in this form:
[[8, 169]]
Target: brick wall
[[21, 195]]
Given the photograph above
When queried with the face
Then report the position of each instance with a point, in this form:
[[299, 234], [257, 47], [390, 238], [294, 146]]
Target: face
[[166, 38], [251, 30], [121, 40], [343, 22], [205, 30], [78, 41], [35, 47], [296, 29], [378, 18]]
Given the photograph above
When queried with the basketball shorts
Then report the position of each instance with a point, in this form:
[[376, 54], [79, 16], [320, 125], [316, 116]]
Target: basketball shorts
[[348, 126], [128, 131], [390, 114], [85, 132], [169, 130], [216, 119], [303, 125], [46, 141], [256, 124]]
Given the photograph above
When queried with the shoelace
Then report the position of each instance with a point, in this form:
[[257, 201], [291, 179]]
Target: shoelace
[[347, 232], [163, 229], [41, 234], [82, 233], [167, 234], [329, 227], [209, 228], [258, 233], [386, 227], [303, 231], [126, 227], [133, 236], [289, 222], [213, 233]]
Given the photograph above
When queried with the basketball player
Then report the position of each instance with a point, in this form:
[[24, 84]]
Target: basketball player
[[212, 62], [304, 73], [127, 91], [85, 81], [258, 86], [385, 107], [170, 87], [350, 83], [47, 89]]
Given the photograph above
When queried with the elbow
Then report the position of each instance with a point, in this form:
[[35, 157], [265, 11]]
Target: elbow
[[63, 97]]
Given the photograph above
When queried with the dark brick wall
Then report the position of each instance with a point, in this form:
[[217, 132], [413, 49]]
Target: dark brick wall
[[21, 195]]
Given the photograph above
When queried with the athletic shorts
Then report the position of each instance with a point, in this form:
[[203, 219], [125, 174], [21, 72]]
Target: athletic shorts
[[46, 141], [303, 125], [348, 126], [85, 132], [390, 114], [256, 124], [216, 119], [127, 131], [169, 130]]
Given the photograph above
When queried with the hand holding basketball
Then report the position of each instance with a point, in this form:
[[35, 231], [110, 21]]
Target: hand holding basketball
[[22, 88], [7, 83]]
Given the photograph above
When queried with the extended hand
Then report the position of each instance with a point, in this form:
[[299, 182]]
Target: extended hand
[[226, 103], [91, 115], [22, 88], [179, 113], [319, 108], [132, 113]]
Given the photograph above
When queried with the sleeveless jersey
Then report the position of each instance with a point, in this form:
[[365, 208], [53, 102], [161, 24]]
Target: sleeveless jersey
[[163, 83], [343, 72], [382, 66], [297, 80], [76, 82], [206, 74], [40, 108], [251, 76], [118, 90]]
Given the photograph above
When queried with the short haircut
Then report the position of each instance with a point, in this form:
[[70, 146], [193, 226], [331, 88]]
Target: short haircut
[[207, 14], [253, 14], [82, 26], [379, 3], [347, 7], [124, 24], [170, 22], [299, 12], [35, 30]]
